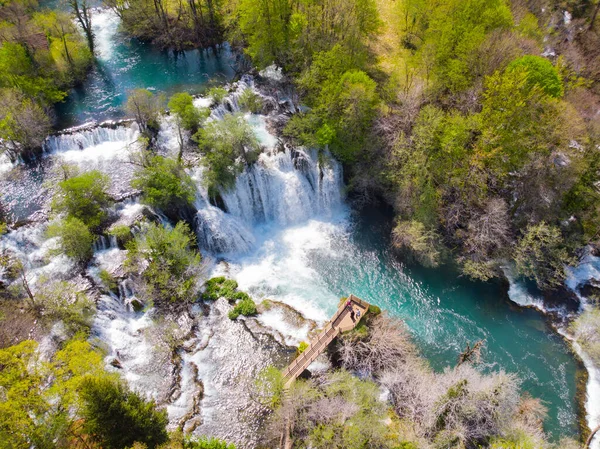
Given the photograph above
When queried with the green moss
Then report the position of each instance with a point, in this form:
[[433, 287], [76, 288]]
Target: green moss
[[245, 307], [374, 310]]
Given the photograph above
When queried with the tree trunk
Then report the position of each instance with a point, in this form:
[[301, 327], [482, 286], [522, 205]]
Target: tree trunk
[[82, 13]]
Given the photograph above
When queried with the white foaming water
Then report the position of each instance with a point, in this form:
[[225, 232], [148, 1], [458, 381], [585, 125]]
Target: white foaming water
[[93, 145], [105, 24], [5, 163], [519, 294], [285, 188], [588, 269]]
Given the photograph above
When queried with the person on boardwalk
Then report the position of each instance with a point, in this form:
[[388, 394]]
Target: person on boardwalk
[[352, 314]]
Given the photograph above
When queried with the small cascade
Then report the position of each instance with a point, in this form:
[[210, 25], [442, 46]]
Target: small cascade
[[105, 242], [85, 137]]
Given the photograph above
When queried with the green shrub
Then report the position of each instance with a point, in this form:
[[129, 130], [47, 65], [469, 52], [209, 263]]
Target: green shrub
[[240, 296], [109, 281], [217, 94], [187, 115], [168, 261], [165, 185], [117, 417], [220, 287], [302, 347], [213, 288], [84, 197], [227, 145], [541, 73], [208, 443], [250, 101], [122, 233], [374, 310], [245, 307], [75, 239]]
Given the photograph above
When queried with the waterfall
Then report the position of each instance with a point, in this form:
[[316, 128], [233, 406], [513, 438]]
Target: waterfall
[[285, 188], [89, 137]]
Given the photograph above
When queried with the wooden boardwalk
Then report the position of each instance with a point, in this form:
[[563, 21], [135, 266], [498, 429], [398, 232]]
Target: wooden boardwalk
[[340, 322]]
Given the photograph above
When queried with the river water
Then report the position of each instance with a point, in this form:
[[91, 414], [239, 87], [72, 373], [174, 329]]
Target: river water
[[288, 234]]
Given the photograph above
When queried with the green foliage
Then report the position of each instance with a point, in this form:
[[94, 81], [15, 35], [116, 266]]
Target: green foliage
[[208, 443], [23, 123], [226, 144], [145, 107], [374, 310], [269, 387], [422, 243], [190, 117], [245, 307], [75, 239], [61, 300], [168, 261], [117, 418], [541, 73], [451, 33], [217, 94], [520, 120], [250, 101], [540, 255], [108, 280], [165, 185], [302, 347], [290, 33], [122, 233], [220, 287], [586, 330], [84, 197], [343, 112], [171, 24], [37, 397]]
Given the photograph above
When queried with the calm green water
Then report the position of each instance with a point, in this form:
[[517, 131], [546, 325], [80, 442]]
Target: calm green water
[[124, 64]]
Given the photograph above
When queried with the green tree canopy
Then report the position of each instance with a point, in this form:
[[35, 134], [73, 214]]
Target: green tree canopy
[[541, 73], [117, 418], [168, 261], [540, 255], [165, 185], [84, 197], [226, 145], [75, 239], [188, 115]]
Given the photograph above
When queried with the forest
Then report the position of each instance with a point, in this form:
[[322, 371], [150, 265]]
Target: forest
[[475, 122]]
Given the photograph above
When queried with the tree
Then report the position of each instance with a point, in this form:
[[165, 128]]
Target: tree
[[23, 124], [75, 239], [82, 12], [541, 73], [349, 107], [422, 243], [452, 33], [187, 116], [84, 197], [167, 263], [40, 400], [165, 185], [541, 256], [145, 107], [226, 144], [117, 418]]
